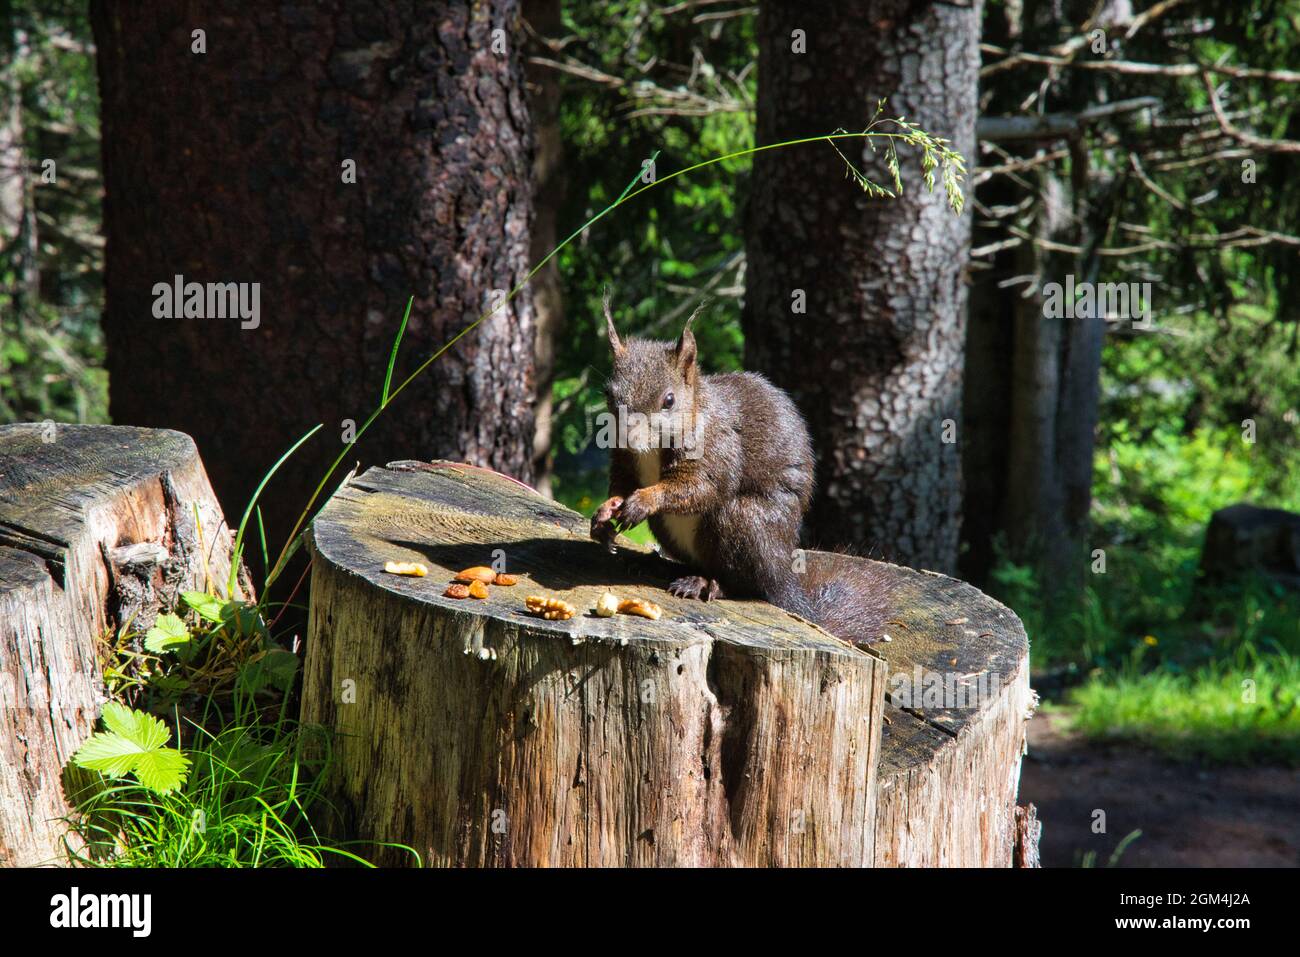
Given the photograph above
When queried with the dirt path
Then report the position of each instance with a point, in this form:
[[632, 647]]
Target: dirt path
[[1190, 816]]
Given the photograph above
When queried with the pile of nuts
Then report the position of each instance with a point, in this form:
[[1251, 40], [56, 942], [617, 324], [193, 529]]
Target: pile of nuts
[[473, 582], [554, 609]]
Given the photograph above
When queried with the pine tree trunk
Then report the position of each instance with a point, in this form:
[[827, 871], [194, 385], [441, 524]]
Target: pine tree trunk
[[876, 362], [231, 165]]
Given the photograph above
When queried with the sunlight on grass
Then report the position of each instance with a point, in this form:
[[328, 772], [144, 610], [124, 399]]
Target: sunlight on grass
[[1221, 713]]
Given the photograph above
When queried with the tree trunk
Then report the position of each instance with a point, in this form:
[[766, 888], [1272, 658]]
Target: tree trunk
[[875, 363], [729, 733], [1032, 442], [18, 235], [986, 405], [232, 165], [549, 182], [99, 525], [1034, 380]]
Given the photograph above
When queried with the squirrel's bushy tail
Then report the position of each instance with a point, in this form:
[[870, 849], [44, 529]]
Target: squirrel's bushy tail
[[850, 599]]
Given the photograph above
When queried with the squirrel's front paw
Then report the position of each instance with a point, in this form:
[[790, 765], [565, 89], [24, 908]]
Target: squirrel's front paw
[[608, 509], [602, 522], [636, 508]]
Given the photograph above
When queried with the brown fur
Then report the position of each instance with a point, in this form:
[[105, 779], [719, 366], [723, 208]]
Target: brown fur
[[743, 489]]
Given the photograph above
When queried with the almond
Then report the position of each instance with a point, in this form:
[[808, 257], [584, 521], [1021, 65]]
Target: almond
[[479, 573]]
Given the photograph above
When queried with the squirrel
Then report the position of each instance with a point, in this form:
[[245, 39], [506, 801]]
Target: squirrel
[[722, 466]]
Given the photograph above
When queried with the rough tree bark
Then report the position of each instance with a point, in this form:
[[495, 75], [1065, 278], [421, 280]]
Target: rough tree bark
[[875, 364], [229, 166], [99, 525]]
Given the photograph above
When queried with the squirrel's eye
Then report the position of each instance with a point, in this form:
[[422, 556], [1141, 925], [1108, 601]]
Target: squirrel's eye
[[668, 400]]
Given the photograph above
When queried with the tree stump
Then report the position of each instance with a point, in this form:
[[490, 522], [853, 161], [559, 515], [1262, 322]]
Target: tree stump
[[98, 525], [1245, 538], [726, 733]]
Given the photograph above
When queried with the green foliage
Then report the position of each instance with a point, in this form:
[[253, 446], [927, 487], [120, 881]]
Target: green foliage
[[51, 349], [167, 634], [240, 790], [226, 648], [1089, 858], [249, 801], [936, 154], [1166, 656], [134, 743], [1245, 710], [681, 242]]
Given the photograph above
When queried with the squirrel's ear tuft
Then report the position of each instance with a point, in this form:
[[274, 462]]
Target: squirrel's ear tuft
[[614, 342], [686, 352]]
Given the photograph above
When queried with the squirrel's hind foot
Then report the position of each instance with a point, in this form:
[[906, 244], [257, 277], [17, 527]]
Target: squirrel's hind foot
[[696, 586]]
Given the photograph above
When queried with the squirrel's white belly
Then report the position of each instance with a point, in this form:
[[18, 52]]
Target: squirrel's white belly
[[682, 529]]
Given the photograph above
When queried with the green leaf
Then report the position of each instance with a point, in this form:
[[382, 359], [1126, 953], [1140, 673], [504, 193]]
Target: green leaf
[[167, 633], [134, 741], [208, 606], [163, 770], [276, 668], [109, 753], [245, 617], [143, 730]]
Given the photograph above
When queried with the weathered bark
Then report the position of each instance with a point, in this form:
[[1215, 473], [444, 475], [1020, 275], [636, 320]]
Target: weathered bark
[[228, 166], [1028, 832], [728, 733], [98, 525], [875, 363], [723, 734], [543, 16]]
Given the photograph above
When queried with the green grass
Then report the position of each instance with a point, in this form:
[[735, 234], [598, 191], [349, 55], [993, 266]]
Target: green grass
[[1227, 713], [248, 801], [244, 789]]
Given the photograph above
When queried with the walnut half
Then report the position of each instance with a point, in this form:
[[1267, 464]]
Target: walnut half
[[552, 609]]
